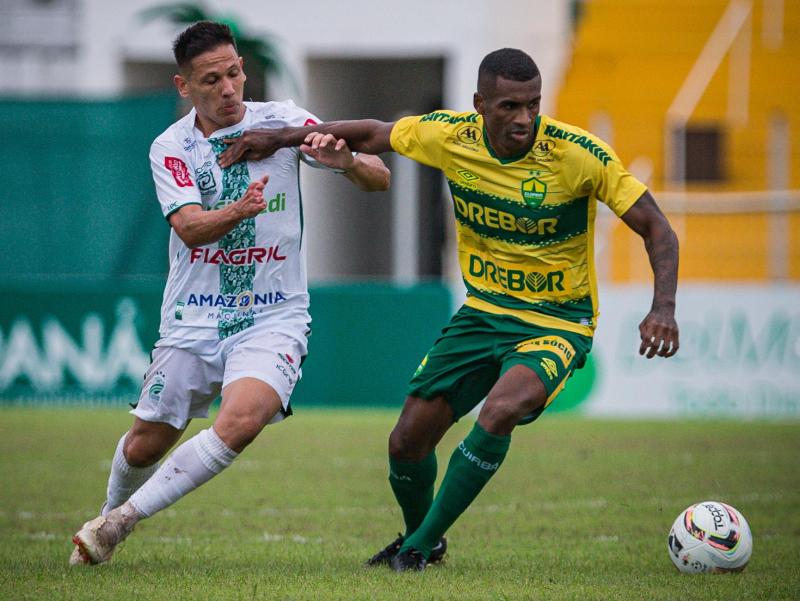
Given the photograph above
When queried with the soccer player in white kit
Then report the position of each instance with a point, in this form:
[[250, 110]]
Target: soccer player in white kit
[[234, 318]]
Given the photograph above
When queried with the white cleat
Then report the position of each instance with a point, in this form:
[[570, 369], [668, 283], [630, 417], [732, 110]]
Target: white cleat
[[76, 559], [98, 538]]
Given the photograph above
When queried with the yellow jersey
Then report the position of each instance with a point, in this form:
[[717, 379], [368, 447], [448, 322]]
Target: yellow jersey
[[525, 224]]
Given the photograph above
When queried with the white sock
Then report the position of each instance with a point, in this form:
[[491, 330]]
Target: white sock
[[124, 479], [193, 463]]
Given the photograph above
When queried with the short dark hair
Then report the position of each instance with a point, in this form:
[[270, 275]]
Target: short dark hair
[[199, 38], [508, 63]]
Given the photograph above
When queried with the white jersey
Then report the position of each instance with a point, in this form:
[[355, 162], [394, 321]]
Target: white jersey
[[257, 271]]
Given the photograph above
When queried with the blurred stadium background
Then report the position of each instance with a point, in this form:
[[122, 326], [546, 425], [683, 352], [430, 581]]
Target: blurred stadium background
[[700, 98]]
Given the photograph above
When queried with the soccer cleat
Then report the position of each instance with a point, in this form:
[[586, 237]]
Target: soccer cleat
[[98, 538], [438, 551], [410, 560], [384, 556], [76, 559]]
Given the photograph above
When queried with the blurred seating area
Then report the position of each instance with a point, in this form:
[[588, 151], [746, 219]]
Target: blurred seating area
[[701, 100]]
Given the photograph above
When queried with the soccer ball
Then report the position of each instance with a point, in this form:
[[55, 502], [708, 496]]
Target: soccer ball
[[710, 537]]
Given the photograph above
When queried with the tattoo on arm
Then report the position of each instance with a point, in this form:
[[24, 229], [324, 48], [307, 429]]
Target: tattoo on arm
[[661, 243], [662, 250]]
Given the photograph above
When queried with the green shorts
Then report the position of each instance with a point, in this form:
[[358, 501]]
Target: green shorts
[[476, 348]]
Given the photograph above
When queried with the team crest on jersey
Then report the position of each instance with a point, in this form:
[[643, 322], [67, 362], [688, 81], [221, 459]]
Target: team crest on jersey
[[469, 134], [157, 387], [179, 170], [533, 192]]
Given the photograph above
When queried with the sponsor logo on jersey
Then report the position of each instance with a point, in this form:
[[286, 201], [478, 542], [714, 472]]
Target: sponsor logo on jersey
[[274, 205], [533, 192], [553, 344], [189, 143], [242, 301], [469, 134], [235, 256], [549, 366], [286, 367], [179, 310], [467, 175], [516, 280], [502, 220], [285, 373], [289, 362], [581, 140], [179, 170], [542, 150], [206, 182], [453, 119], [205, 179]]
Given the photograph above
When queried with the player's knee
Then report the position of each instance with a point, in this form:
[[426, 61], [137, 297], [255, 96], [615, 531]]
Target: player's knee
[[240, 429], [501, 415], [247, 427], [141, 451], [403, 446]]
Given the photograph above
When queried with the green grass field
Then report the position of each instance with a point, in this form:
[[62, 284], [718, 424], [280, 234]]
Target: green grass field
[[580, 510]]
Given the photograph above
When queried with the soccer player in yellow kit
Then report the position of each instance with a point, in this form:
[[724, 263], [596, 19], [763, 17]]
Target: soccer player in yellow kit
[[525, 189]]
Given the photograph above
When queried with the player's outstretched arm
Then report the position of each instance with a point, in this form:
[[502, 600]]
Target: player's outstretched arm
[[658, 330], [197, 227], [365, 135], [366, 171]]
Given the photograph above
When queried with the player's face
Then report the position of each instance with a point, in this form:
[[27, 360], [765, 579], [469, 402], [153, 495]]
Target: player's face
[[215, 85], [509, 110]]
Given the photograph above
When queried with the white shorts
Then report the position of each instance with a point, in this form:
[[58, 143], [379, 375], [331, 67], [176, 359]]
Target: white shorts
[[181, 383]]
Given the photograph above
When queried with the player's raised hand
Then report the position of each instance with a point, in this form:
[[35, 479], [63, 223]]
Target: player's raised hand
[[252, 203], [329, 151], [659, 334], [252, 145]]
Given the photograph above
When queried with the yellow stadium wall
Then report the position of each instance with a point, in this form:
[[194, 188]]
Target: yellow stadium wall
[[713, 247], [629, 60]]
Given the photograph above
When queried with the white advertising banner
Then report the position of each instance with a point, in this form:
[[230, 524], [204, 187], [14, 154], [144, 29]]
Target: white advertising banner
[[739, 356]]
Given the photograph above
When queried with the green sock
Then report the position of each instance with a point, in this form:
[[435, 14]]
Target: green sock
[[473, 462], [412, 484]]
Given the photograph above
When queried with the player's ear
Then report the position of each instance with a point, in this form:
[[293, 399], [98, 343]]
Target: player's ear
[[477, 102], [181, 84]]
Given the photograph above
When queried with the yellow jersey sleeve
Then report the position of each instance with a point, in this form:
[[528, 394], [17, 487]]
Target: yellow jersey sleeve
[[611, 183], [423, 138]]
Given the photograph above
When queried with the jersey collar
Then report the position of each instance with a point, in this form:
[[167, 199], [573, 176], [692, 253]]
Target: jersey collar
[[512, 159]]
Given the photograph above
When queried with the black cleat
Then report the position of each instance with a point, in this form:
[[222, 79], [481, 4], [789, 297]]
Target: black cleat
[[438, 551], [384, 556], [408, 561]]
